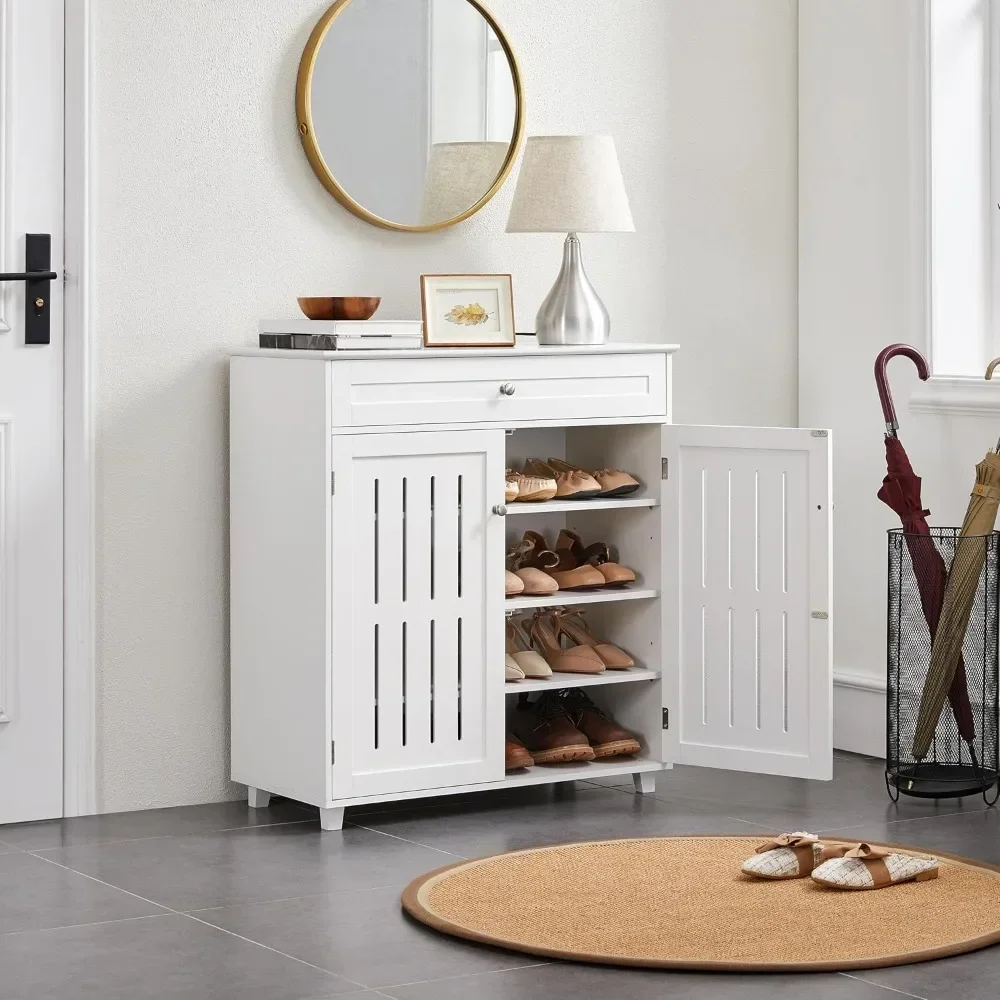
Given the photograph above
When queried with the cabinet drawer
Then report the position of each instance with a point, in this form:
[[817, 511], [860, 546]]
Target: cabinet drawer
[[430, 390]]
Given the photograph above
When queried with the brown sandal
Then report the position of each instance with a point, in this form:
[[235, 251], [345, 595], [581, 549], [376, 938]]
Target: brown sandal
[[566, 575], [574, 625], [546, 633], [572, 553], [528, 561]]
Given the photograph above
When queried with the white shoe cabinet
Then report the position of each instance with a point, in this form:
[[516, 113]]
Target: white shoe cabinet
[[368, 536]]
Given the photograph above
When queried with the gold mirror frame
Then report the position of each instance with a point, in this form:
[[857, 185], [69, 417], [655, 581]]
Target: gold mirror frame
[[303, 111]]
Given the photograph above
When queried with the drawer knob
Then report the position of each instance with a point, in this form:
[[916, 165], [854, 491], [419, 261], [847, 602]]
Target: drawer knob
[[507, 389], [500, 510]]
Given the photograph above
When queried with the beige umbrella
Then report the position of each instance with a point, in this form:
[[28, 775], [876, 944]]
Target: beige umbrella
[[959, 597]]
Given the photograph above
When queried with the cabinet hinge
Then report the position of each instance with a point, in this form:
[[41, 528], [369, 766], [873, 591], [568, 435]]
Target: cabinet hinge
[[666, 718], [820, 434], [664, 468], [333, 484], [333, 751], [821, 615]]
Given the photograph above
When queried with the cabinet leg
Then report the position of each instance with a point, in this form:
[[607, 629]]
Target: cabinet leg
[[331, 819], [257, 797], [645, 783]]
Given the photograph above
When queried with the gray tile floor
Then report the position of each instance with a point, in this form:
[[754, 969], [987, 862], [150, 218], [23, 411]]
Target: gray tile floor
[[220, 901]]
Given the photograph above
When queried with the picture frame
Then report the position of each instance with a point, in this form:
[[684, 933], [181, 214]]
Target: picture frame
[[467, 310]]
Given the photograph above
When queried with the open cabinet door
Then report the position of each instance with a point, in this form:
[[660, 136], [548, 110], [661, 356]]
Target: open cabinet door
[[747, 594]]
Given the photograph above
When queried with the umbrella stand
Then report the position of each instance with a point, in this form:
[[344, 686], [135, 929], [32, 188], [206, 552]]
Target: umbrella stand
[[945, 770]]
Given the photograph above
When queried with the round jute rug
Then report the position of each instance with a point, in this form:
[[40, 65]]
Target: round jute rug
[[682, 902]]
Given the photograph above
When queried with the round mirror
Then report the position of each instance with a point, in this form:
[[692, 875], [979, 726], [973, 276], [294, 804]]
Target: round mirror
[[410, 111]]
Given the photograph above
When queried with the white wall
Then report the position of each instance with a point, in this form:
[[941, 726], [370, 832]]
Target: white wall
[[210, 218]]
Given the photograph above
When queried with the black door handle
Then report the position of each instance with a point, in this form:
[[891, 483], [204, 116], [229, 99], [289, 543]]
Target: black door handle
[[38, 280]]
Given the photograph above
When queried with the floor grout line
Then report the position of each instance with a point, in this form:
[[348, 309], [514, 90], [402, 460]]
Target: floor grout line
[[465, 975], [881, 986], [290, 899], [416, 843], [198, 920], [88, 923]]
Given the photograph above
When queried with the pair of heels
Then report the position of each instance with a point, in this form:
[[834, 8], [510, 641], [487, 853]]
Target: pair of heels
[[562, 642], [837, 866], [538, 571]]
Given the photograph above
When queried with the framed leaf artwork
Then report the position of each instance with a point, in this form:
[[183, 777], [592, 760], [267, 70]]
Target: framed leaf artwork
[[467, 310]]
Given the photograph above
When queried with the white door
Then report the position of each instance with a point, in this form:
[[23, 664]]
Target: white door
[[417, 612], [31, 556], [747, 529]]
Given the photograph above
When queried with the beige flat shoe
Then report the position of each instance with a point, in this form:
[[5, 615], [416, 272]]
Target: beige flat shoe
[[865, 867], [547, 636], [534, 489], [573, 485], [613, 482], [519, 649], [513, 584], [792, 855], [511, 489]]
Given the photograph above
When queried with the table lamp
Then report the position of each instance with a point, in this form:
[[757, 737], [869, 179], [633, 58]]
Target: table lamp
[[571, 184]]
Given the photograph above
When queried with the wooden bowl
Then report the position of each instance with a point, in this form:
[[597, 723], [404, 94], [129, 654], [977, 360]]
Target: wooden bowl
[[350, 307]]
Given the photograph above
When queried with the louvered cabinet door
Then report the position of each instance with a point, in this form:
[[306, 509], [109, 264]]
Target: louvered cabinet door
[[417, 583], [747, 592]]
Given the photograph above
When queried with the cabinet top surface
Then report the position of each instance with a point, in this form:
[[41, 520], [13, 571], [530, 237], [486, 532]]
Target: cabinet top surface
[[526, 347]]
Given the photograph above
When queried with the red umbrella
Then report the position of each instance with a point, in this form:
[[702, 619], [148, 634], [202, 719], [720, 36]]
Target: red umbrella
[[901, 491]]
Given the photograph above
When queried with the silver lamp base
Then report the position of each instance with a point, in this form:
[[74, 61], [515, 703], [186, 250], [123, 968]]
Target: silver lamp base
[[573, 312]]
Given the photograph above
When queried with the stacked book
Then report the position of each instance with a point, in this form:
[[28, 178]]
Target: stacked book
[[342, 335]]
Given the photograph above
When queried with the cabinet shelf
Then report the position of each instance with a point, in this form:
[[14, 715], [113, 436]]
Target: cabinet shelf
[[573, 506], [546, 774], [564, 598], [558, 682]]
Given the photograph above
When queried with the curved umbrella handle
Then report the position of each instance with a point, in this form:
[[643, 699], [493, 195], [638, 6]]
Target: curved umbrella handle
[[881, 381]]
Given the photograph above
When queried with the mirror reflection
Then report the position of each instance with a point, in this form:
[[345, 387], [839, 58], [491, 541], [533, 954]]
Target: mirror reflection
[[414, 107]]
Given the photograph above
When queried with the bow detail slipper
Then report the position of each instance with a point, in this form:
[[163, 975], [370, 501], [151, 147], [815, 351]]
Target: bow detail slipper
[[865, 867], [792, 855]]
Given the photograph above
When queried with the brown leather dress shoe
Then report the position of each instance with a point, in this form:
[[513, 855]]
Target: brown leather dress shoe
[[605, 735], [515, 755], [548, 733]]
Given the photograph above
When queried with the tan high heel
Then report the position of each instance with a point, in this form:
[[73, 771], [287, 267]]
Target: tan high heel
[[567, 577], [528, 561], [574, 659], [531, 663], [574, 625], [572, 553], [572, 485], [613, 482]]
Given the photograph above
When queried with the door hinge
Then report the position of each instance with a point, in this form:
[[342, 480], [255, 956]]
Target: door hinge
[[820, 615], [820, 434], [333, 751], [666, 718], [664, 468], [333, 484]]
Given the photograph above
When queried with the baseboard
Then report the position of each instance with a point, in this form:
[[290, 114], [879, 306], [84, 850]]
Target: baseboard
[[859, 713]]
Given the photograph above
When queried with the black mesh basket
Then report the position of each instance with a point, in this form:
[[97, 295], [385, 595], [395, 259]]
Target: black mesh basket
[[955, 765]]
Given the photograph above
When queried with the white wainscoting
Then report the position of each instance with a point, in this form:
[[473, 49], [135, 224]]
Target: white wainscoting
[[859, 712]]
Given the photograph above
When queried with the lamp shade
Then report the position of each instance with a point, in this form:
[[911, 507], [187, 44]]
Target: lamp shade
[[459, 174], [570, 184]]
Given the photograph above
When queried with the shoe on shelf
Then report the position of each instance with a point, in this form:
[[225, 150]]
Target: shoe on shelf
[[511, 489], [573, 624], [533, 489], [613, 482], [512, 672], [513, 584], [574, 485], [528, 561], [519, 649], [547, 732], [572, 554], [607, 738], [547, 634], [515, 756], [566, 576]]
